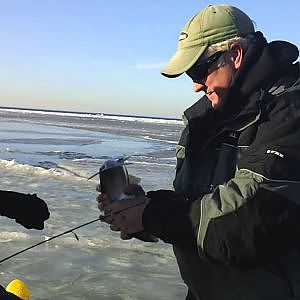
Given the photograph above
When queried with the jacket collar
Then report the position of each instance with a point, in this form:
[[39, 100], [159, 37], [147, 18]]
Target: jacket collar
[[264, 64]]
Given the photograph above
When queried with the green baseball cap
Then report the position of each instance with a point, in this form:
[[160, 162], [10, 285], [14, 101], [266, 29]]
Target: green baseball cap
[[213, 24]]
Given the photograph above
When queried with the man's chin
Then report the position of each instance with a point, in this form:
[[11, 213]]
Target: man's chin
[[215, 100], [216, 104]]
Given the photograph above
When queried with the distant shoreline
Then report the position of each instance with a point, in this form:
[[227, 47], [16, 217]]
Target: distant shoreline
[[85, 112]]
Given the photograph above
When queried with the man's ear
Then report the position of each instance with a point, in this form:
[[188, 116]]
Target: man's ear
[[237, 54]]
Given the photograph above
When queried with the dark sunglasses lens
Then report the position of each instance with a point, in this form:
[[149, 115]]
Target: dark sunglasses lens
[[197, 73]]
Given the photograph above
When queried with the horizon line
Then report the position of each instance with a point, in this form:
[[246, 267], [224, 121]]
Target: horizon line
[[87, 112]]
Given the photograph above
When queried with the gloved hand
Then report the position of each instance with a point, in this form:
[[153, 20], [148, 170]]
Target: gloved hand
[[28, 210]]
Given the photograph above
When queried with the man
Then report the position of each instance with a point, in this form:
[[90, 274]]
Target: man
[[234, 217]]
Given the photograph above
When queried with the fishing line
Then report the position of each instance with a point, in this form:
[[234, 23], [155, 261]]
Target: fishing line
[[66, 232]]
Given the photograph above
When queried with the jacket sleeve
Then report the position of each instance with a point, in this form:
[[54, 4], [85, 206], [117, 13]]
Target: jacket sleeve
[[254, 218], [167, 217]]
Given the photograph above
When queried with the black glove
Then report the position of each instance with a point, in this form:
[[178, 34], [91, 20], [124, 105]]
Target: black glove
[[28, 210]]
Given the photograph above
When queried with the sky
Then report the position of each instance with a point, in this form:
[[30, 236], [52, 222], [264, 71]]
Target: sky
[[106, 55]]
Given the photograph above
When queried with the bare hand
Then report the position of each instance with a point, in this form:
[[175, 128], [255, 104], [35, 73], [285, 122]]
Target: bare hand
[[125, 215]]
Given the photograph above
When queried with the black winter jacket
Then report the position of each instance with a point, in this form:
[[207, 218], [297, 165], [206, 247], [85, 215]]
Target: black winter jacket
[[235, 212]]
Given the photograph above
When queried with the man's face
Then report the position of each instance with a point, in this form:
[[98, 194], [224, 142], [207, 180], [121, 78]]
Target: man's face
[[218, 79]]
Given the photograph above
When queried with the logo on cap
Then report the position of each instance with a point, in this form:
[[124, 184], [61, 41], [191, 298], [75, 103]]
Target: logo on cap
[[183, 36]]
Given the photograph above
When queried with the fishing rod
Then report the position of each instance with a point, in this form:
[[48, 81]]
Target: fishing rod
[[68, 231], [113, 177], [49, 239]]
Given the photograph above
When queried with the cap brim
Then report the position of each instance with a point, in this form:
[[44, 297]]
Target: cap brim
[[182, 60]]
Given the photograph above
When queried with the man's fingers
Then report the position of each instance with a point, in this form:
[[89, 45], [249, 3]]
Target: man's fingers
[[134, 189], [125, 236], [125, 215], [103, 200], [107, 219], [101, 206], [115, 228], [115, 220], [118, 221]]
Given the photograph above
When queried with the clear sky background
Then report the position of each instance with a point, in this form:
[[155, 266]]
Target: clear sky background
[[105, 55]]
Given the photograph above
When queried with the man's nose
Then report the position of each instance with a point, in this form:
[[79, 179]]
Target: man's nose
[[199, 86]]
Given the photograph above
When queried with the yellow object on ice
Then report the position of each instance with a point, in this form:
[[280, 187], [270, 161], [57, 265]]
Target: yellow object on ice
[[18, 288]]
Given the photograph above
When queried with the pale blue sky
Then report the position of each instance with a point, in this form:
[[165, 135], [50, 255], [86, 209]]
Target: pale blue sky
[[105, 55]]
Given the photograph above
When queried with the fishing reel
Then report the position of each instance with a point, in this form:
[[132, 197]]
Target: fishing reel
[[114, 177]]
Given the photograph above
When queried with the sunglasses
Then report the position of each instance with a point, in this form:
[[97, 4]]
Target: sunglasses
[[199, 70]]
